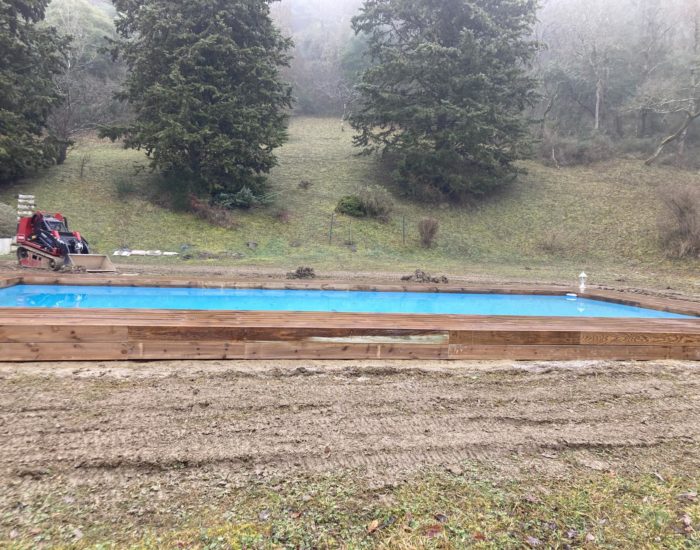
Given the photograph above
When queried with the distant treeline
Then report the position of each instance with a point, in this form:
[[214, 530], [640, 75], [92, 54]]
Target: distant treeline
[[450, 94]]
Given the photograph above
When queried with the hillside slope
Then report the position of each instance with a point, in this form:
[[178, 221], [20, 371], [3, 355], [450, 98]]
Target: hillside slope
[[550, 224]]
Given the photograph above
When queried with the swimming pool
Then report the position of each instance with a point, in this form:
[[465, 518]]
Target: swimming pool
[[321, 301]]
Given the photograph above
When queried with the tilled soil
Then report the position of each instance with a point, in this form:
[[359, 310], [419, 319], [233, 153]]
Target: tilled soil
[[385, 417], [188, 427]]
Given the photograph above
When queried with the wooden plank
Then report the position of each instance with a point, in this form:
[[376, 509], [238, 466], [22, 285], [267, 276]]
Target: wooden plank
[[52, 351], [515, 337], [306, 350], [568, 353], [282, 350], [261, 319], [154, 350], [640, 339], [255, 334], [51, 333]]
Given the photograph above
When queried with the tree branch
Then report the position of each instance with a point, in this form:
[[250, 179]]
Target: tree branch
[[690, 117]]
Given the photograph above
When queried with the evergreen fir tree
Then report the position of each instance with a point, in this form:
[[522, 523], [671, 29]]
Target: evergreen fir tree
[[445, 94], [30, 56], [205, 90]]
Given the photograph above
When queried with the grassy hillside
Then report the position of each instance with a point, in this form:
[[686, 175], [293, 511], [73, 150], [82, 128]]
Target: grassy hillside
[[552, 223]]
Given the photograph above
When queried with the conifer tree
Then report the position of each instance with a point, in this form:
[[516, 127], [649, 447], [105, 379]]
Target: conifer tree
[[30, 56], [205, 90], [445, 94]]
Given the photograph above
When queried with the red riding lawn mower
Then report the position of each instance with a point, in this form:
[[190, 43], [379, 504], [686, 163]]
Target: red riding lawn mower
[[45, 242]]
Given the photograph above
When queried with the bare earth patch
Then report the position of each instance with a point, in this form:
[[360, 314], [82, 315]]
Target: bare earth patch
[[111, 444]]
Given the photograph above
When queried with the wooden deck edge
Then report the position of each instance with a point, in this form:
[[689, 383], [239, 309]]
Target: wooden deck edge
[[216, 350], [25, 343]]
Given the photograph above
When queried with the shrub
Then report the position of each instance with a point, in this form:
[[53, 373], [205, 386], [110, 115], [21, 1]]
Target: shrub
[[302, 273], [680, 222], [376, 202], [245, 198], [283, 215], [305, 184], [428, 230], [124, 187], [370, 201], [8, 221], [351, 205]]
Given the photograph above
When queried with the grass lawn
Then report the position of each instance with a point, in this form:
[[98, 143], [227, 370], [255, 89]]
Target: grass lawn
[[434, 510], [547, 227]]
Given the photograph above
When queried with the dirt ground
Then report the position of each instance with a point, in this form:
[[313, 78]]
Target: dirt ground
[[183, 432]]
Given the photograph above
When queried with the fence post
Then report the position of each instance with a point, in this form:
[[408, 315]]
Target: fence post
[[404, 230], [330, 234]]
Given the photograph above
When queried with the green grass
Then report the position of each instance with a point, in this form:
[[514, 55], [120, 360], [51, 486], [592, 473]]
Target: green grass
[[549, 225], [434, 510]]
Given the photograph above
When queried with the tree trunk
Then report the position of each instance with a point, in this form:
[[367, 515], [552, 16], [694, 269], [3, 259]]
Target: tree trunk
[[598, 103], [643, 124]]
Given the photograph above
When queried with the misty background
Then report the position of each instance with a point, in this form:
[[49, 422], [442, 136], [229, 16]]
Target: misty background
[[617, 77]]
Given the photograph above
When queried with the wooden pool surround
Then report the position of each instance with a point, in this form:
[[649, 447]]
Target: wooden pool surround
[[120, 334]]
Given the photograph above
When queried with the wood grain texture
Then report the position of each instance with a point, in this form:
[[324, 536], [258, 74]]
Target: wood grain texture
[[571, 353], [52, 351], [39, 332]]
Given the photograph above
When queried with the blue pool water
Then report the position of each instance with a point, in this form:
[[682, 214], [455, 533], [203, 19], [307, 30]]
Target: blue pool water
[[98, 297]]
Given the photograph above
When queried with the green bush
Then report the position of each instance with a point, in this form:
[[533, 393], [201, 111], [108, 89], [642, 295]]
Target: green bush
[[245, 199], [351, 205], [8, 221], [370, 201]]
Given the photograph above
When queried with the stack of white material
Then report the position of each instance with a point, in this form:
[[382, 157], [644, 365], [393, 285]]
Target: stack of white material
[[26, 205], [128, 253]]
